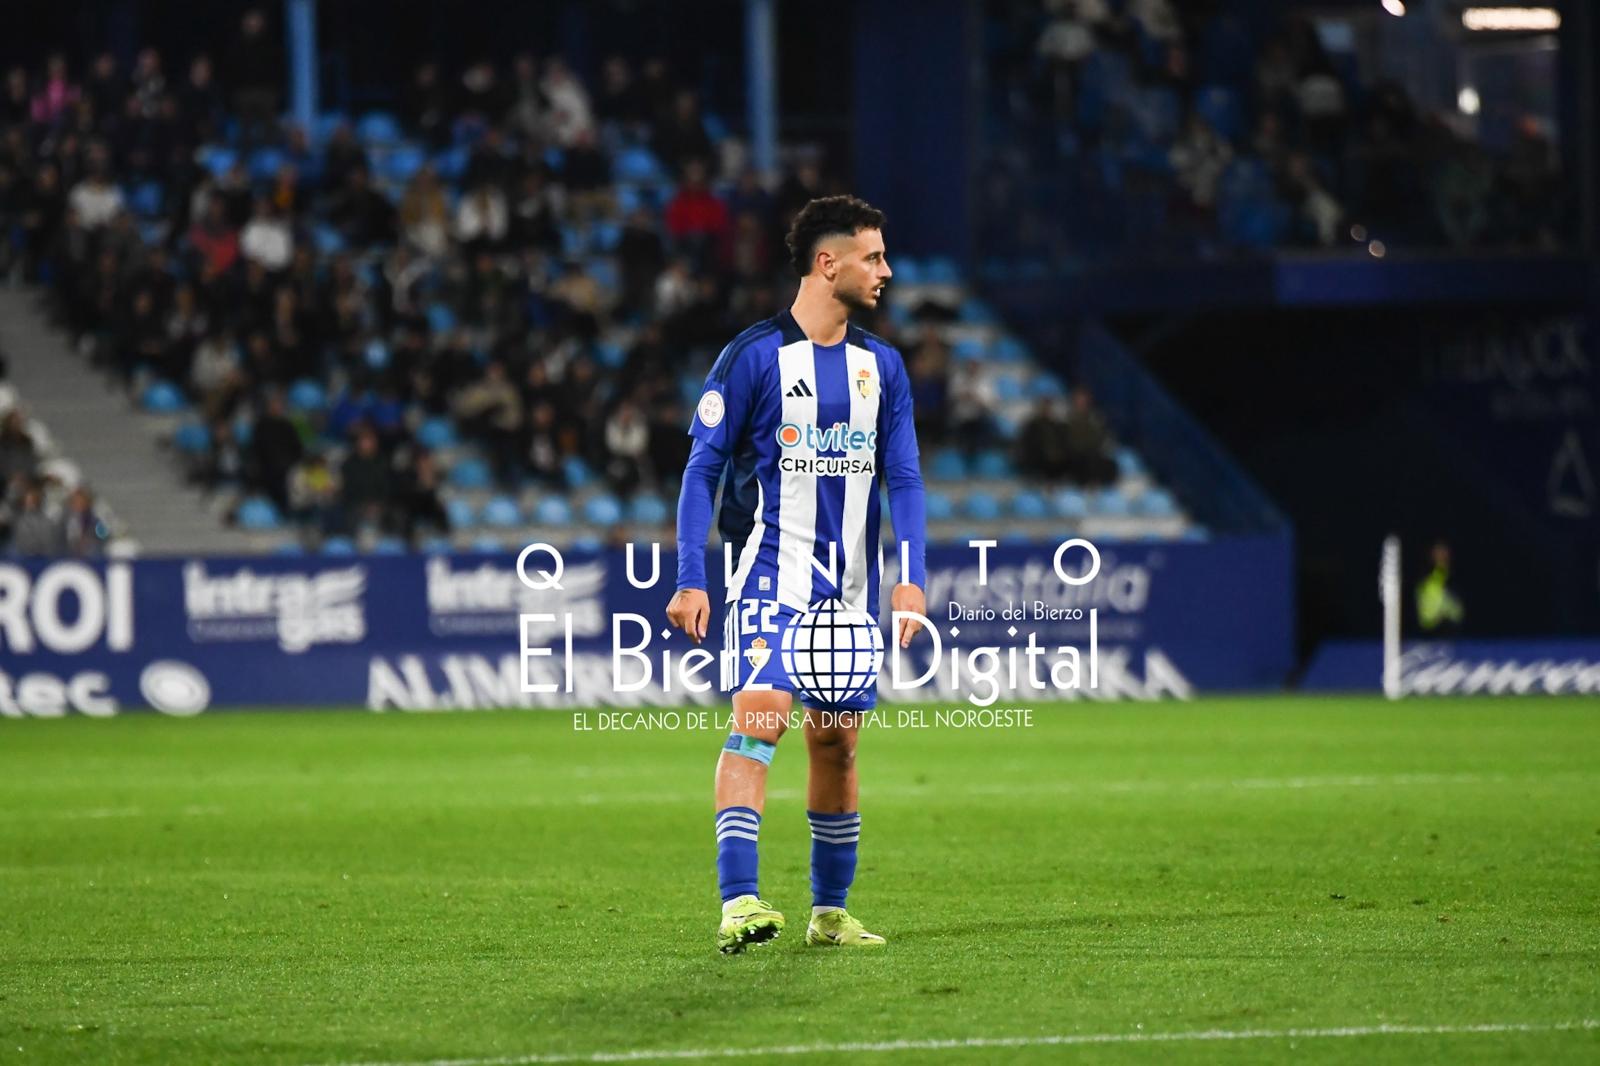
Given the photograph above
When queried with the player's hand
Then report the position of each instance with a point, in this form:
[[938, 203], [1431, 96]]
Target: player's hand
[[690, 610], [908, 598]]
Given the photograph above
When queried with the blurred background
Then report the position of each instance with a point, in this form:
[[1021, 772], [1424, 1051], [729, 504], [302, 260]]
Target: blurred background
[[313, 313]]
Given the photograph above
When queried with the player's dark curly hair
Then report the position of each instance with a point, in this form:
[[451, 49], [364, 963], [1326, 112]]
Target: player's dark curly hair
[[827, 216]]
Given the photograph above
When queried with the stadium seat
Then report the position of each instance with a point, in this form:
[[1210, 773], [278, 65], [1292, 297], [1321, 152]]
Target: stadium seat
[[938, 507], [265, 163], [983, 506], [338, 546], [258, 515], [610, 355], [1196, 534], [969, 349], [401, 164], [552, 511], [602, 510], [1029, 504], [452, 163], [488, 545], [218, 159], [941, 270], [437, 546], [324, 125], [307, 395], [1070, 503], [192, 438], [1128, 463], [145, 199], [441, 318], [378, 127], [648, 510], [992, 464], [948, 465], [326, 239], [1045, 384], [1008, 349], [1156, 503], [471, 473], [1112, 502], [163, 398], [289, 548], [637, 164], [576, 471], [244, 430], [502, 512], [588, 542], [907, 270], [975, 311], [461, 513], [1009, 388], [605, 235], [389, 546], [436, 432]]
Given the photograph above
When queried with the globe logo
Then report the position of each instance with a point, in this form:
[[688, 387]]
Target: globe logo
[[832, 652]]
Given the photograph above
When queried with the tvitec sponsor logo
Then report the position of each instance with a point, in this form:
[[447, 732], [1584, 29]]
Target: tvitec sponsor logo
[[837, 438], [296, 609]]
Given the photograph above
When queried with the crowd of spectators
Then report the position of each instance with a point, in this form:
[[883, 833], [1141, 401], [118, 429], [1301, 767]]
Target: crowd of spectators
[[41, 513], [479, 264], [1152, 124]]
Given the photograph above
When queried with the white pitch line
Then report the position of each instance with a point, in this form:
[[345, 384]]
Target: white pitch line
[[978, 1043]]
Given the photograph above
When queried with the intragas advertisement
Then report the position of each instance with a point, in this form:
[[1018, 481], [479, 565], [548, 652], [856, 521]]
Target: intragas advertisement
[[1004, 626]]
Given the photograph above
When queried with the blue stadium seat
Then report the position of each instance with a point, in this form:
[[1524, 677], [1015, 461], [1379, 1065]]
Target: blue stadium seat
[[947, 465], [637, 164], [378, 127], [324, 125], [941, 270], [441, 318], [289, 548], [436, 432], [605, 235], [307, 395], [401, 164], [1219, 106], [244, 430], [1045, 384], [326, 239], [907, 270], [258, 515], [1008, 349], [1157, 503], [552, 511], [452, 163], [1029, 504], [1008, 387], [1128, 462], [577, 472], [975, 311], [938, 506], [264, 163], [502, 512], [969, 349], [1196, 534], [649, 510], [218, 159], [602, 510], [471, 473], [192, 438], [992, 464], [1112, 502], [145, 199], [604, 271], [715, 127], [588, 542], [461, 513], [983, 506], [610, 355], [389, 546], [163, 398], [437, 546], [338, 546], [1070, 503], [488, 545]]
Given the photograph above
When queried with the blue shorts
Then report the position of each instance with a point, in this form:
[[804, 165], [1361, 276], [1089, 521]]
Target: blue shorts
[[755, 628]]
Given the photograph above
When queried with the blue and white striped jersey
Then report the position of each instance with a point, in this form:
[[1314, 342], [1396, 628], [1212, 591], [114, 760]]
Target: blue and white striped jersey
[[804, 432]]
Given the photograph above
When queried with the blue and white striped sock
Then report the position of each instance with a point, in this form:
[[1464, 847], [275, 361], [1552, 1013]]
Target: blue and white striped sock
[[737, 831], [833, 856]]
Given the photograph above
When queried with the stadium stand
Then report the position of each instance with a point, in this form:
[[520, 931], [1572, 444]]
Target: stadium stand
[[484, 316]]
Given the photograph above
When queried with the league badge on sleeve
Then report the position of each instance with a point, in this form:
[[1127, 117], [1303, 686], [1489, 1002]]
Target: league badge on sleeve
[[711, 409]]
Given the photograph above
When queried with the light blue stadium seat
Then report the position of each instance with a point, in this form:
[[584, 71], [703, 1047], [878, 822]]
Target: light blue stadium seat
[[941, 270], [552, 511], [192, 438], [502, 512], [436, 432], [265, 162], [258, 515], [948, 465], [605, 234], [602, 510], [907, 269], [587, 543], [1128, 462], [648, 510], [452, 163], [145, 199], [1008, 387], [1112, 502], [218, 159], [604, 271], [338, 546], [389, 546], [488, 545], [715, 127], [327, 240], [461, 513], [1045, 384], [471, 473], [1157, 503], [975, 311], [577, 472], [437, 546], [378, 127], [1070, 503], [637, 164], [401, 164], [1196, 534], [163, 398], [938, 506], [983, 506], [1029, 504], [969, 349], [992, 464], [289, 548], [244, 430], [441, 318], [610, 355], [307, 395], [324, 125], [1008, 349]]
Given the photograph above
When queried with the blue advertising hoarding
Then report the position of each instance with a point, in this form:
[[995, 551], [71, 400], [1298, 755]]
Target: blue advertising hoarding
[[445, 632], [1550, 666]]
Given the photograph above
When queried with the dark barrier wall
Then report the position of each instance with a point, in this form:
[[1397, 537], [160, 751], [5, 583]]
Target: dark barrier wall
[[1477, 426], [442, 632]]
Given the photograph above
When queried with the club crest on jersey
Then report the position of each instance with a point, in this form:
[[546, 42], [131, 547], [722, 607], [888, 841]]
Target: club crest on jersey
[[758, 653], [864, 383]]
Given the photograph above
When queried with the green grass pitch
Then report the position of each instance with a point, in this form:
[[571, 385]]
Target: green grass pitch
[[321, 888]]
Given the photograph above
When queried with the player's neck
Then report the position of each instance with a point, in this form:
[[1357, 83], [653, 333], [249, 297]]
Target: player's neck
[[820, 317]]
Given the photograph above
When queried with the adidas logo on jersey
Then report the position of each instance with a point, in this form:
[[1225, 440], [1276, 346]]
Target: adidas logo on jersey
[[800, 389]]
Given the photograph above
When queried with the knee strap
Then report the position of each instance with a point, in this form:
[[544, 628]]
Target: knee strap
[[751, 748]]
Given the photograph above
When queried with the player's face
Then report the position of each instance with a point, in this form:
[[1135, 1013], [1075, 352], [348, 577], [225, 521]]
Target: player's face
[[862, 270]]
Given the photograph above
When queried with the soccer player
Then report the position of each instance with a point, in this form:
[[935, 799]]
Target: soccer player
[[804, 412]]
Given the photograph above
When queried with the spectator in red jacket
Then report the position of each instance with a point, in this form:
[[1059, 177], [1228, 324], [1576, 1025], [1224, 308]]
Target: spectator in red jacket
[[695, 217]]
